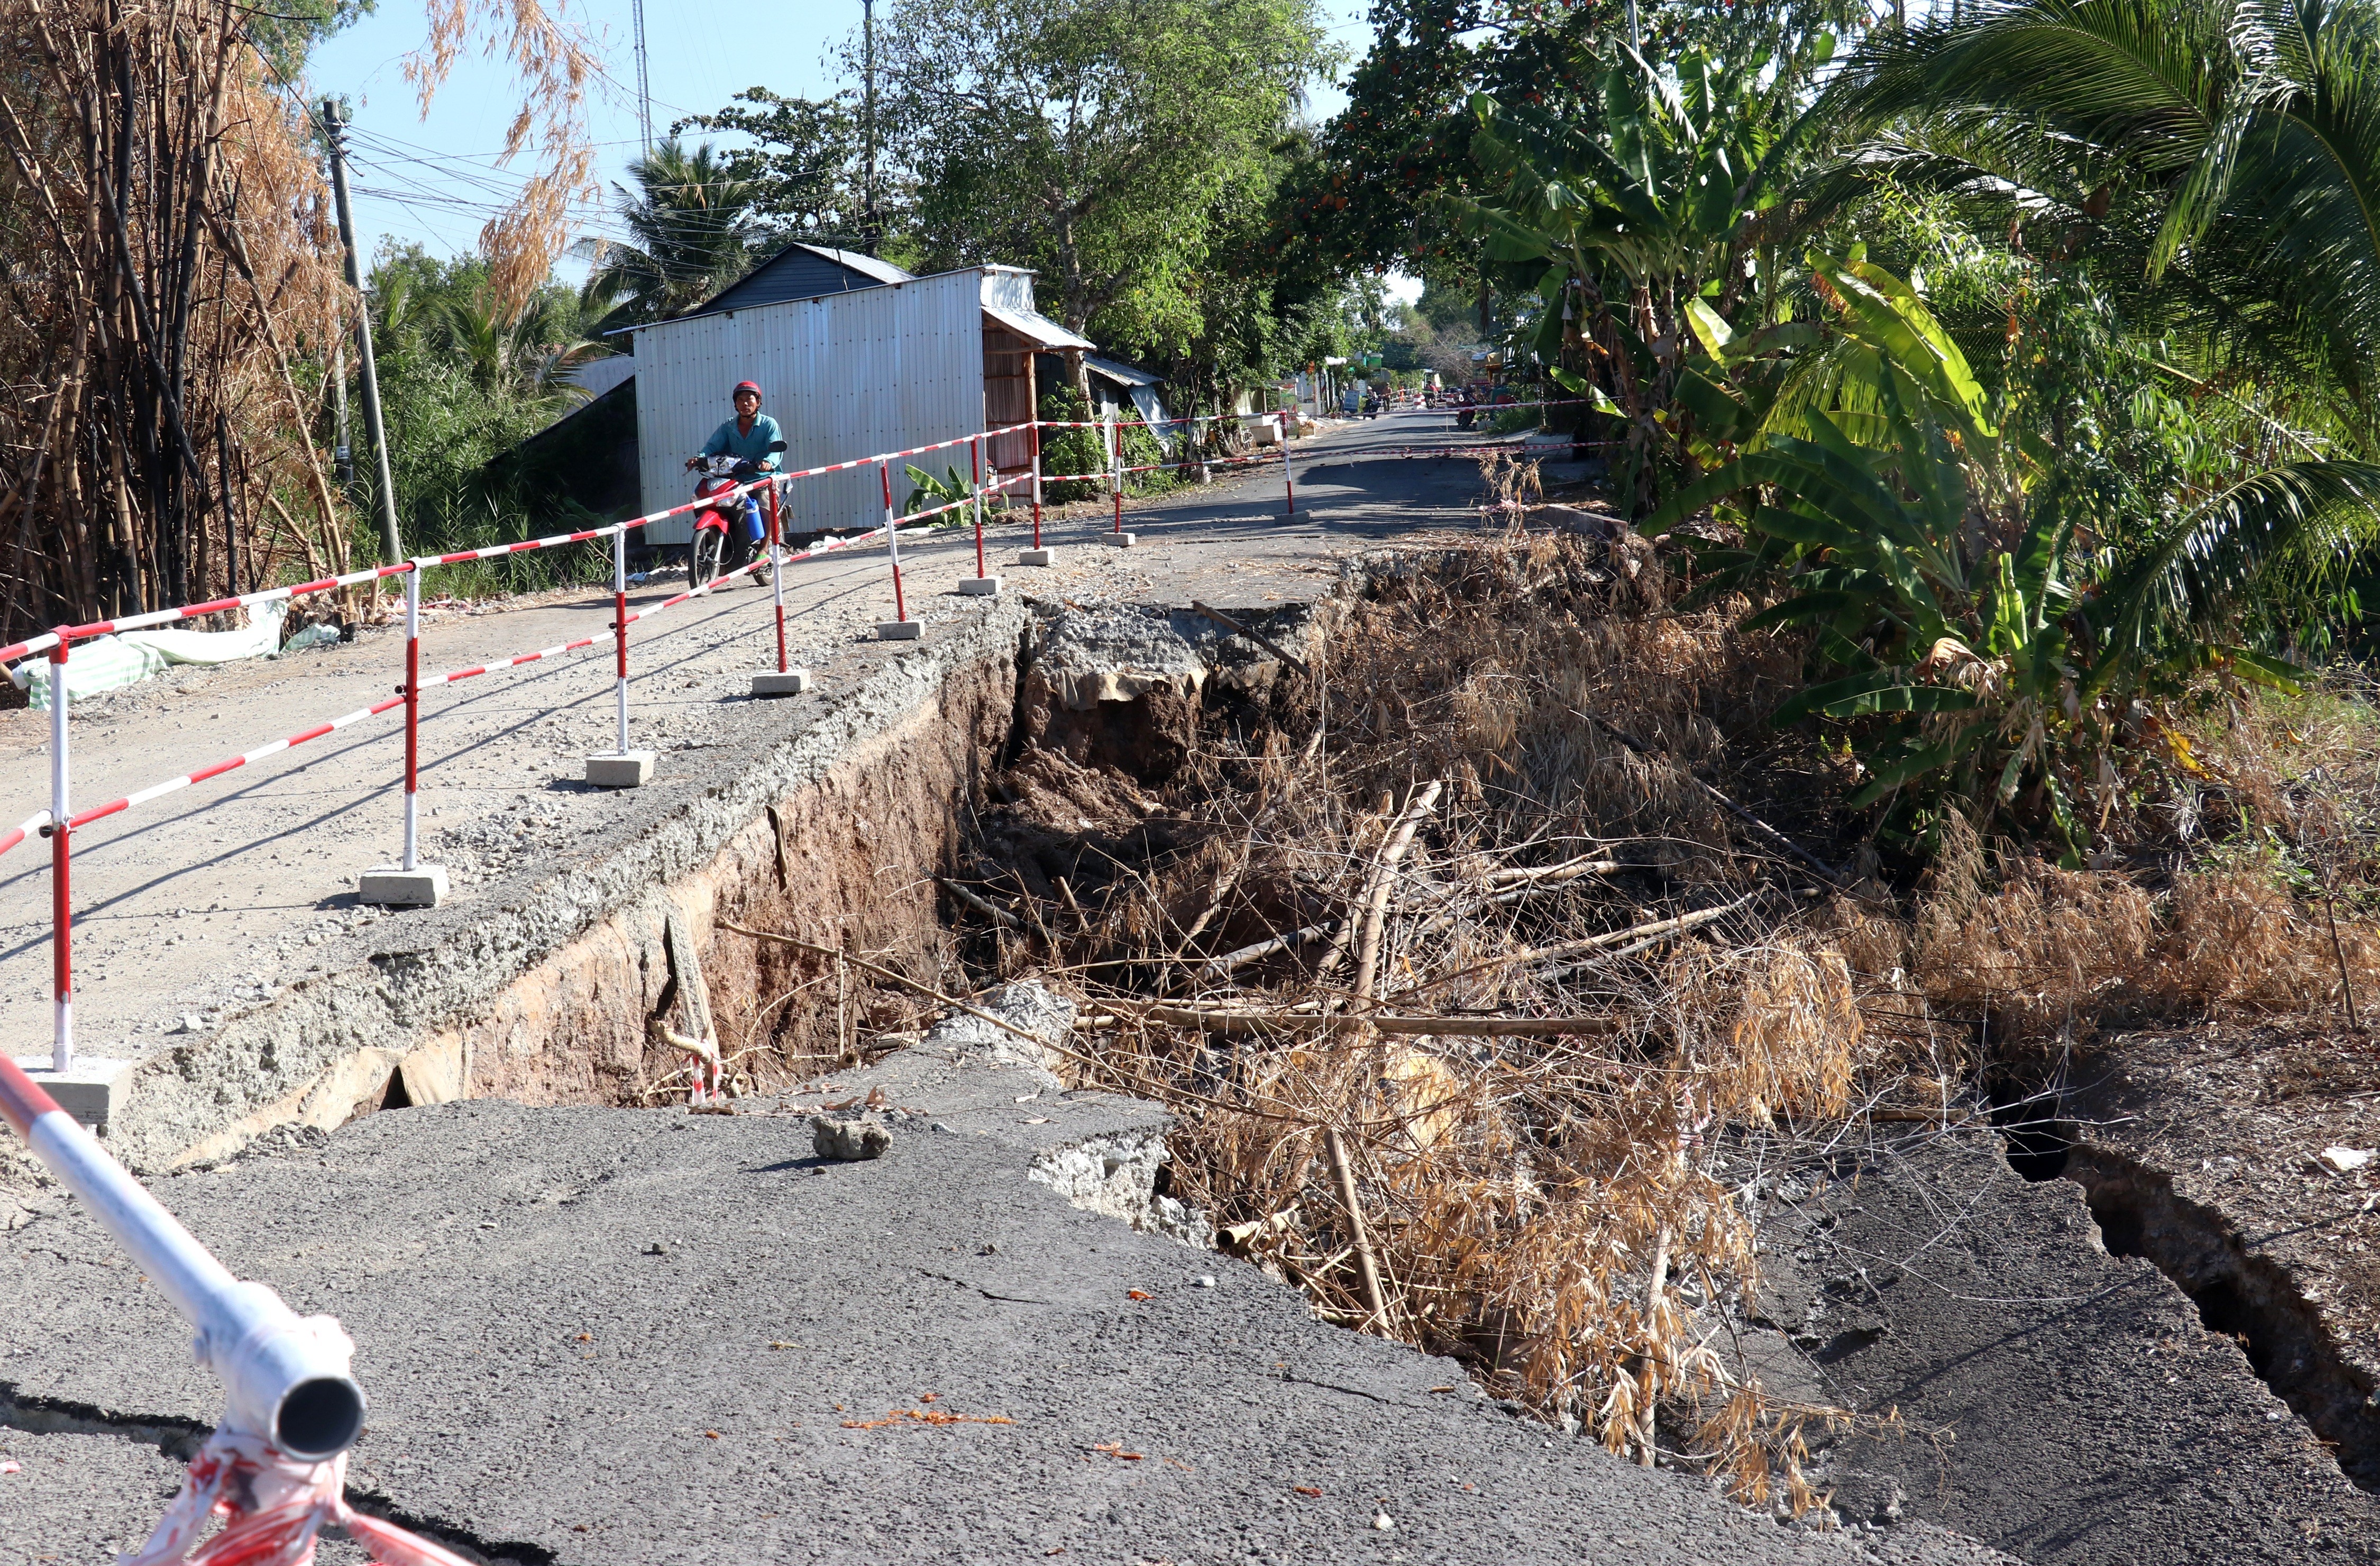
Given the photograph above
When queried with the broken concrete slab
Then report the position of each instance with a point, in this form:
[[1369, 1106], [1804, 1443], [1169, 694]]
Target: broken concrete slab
[[2063, 1404]]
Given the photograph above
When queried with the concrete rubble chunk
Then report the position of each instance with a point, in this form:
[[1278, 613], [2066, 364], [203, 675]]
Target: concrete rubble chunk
[[849, 1141], [1098, 652], [1030, 1006]]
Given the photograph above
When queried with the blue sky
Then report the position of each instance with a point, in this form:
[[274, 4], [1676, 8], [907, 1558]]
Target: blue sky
[[434, 180]]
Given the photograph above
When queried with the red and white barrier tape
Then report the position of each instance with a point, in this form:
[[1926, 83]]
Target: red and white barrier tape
[[33, 824], [273, 1505]]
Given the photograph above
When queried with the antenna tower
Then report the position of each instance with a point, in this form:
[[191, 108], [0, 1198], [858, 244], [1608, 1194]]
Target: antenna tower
[[644, 80]]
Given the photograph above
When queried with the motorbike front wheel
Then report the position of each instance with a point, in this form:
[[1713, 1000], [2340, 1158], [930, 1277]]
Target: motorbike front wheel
[[706, 556]]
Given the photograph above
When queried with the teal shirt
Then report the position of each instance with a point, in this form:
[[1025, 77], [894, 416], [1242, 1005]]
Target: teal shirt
[[725, 442]]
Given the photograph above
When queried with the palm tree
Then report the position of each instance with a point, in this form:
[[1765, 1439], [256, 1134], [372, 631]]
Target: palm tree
[[2223, 154], [691, 227]]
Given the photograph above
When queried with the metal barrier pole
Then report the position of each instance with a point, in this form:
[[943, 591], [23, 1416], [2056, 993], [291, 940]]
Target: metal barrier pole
[[777, 571], [623, 768], [975, 479], [1115, 467], [408, 882], [412, 718], [900, 628], [1281, 423], [1037, 483], [61, 893], [620, 625]]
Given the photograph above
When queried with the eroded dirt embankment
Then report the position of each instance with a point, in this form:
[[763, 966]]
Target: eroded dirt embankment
[[832, 824]]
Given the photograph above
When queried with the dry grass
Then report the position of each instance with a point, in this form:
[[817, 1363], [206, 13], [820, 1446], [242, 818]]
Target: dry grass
[[1568, 1211]]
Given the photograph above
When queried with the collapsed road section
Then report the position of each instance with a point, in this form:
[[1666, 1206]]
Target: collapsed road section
[[934, 1289]]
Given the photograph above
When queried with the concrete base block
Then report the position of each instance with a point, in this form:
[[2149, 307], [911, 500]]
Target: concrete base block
[[980, 586], [87, 1090], [633, 770], [392, 886], [1037, 558], [1119, 540], [899, 631], [793, 682]]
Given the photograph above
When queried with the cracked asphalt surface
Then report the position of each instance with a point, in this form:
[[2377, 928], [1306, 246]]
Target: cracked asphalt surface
[[646, 1336]]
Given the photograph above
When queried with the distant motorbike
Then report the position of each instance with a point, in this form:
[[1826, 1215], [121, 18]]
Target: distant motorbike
[[1464, 413], [725, 535]]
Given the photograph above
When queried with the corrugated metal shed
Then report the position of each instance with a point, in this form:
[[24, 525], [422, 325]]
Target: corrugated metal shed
[[846, 374]]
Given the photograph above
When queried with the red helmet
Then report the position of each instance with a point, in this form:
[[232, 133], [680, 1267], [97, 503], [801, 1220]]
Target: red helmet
[[743, 387]]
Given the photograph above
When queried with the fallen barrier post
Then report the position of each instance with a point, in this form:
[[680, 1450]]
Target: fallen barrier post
[[276, 1466], [900, 628], [623, 768]]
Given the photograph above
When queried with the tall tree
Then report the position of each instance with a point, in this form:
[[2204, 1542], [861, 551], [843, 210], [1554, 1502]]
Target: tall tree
[[690, 226], [802, 166], [1106, 142]]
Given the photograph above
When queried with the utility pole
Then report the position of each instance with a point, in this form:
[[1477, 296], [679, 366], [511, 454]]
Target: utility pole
[[335, 119], [1635, 39], [868, 224], [644, 79], [343, 455]]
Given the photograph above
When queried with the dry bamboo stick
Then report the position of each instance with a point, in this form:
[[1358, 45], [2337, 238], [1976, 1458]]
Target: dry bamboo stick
[[1376, 902], [1655, 929], [1232, 1023], [984, 906], [1218, 967], [1367, 1268]]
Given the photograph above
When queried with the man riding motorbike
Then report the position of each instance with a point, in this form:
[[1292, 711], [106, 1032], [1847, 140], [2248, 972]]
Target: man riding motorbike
[[753, 439]]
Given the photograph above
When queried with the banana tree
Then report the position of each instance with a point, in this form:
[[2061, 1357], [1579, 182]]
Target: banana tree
[[1970, 640], [1620, 224]]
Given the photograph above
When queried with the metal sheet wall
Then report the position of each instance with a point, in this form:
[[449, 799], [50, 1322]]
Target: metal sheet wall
[[872, 369]]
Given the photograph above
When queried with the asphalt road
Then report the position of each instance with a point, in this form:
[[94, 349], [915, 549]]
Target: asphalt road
[[645, 1336], [206, 902]]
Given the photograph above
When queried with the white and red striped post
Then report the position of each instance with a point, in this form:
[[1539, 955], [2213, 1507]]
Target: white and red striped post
[[975, 482], [983, 584], [787, 680], [777, 572], [1115, 466], [1037, 483], [1281, 425], [61, 832], [621, 769], [407, 883], [900, 628], [412, 859], [620, 628]]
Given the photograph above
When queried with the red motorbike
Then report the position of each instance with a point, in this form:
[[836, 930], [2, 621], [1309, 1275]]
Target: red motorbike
[[725, 535]]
